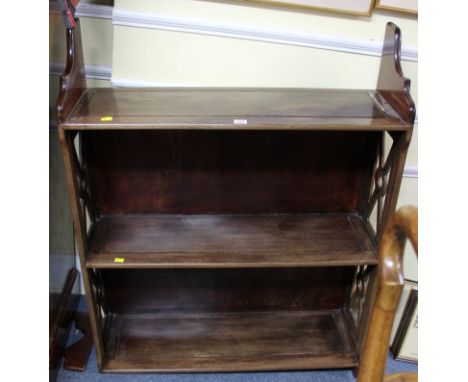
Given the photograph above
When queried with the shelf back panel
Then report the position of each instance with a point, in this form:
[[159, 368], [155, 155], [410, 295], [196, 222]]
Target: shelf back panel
[[228, 172], [146, 291]]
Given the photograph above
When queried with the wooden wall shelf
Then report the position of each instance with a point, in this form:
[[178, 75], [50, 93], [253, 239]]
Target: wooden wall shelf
[[237, 109], [229, 229], [255, 341], [229, 241]]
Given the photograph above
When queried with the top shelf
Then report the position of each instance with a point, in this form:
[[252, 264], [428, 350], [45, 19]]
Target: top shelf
[[234, 109]]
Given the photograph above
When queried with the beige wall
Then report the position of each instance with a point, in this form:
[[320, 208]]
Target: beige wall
[[294, 19], [96, 38], [409, 196], [97, 48]]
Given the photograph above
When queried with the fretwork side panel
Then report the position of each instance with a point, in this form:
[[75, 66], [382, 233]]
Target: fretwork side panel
[[385, 180], [359, 301], [87, 205], [82, 218]]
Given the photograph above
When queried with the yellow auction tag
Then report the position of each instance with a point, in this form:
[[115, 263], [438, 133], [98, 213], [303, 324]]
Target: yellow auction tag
[[106, 118], [119, 260]]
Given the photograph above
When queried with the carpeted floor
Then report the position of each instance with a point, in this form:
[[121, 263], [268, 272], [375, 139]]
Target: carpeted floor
[[92, 374]]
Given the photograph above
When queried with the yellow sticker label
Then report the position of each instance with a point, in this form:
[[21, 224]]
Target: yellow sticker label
[[119, 260], [106, 118]]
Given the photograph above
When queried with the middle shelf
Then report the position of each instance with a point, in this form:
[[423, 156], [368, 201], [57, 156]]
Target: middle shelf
[[229, 241]]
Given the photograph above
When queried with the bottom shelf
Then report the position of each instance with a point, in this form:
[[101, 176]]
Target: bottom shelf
[[248, 341]]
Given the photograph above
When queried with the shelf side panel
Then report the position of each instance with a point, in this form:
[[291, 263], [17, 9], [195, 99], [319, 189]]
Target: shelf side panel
[[73, 80], [392, 84]]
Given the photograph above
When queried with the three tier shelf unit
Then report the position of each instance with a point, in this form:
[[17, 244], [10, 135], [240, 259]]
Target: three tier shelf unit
[[226, 229]]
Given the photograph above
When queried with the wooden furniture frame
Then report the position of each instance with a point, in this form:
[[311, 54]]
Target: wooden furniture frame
[[229, 229], [403, 225], [63, 275]]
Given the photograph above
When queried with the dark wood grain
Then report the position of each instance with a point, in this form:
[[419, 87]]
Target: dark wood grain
[[62, 309], [187, 241], [228, 342], [76, 355], [139, 291], [72, 81], [79, 225], [241, 215], [218, 108], [393, 88], [402, 141], [228, 172]]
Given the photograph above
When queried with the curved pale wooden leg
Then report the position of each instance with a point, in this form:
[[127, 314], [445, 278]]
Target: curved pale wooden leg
[[390, 284], [402, 377]]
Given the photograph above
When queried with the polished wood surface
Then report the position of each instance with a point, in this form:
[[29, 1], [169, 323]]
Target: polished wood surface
[[403, 225], [79, 225], [241, 216], [224, 172], [229, 342], [237, 109], [392, 85], [227, 319], [187, 241], [73, 80], [138, 291], [77, 354]]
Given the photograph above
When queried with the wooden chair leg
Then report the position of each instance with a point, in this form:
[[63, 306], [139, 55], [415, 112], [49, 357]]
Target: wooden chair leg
[[402, 377], [76, 355]]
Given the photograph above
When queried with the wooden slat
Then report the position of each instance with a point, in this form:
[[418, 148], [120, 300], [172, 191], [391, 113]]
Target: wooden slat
[[228, 342], [191, 241], [239, 109]]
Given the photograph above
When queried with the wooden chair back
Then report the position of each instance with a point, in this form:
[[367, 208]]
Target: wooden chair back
[[403, 225]]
